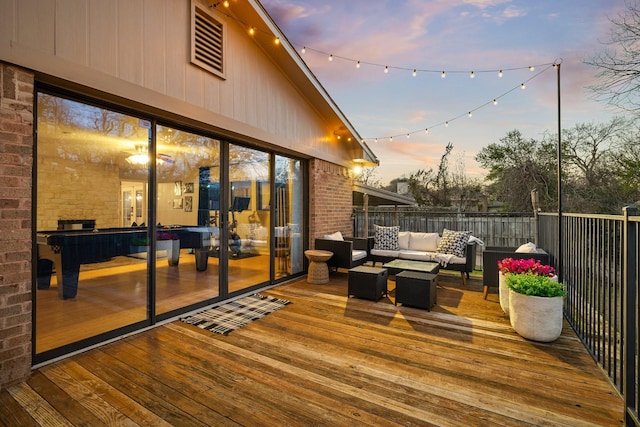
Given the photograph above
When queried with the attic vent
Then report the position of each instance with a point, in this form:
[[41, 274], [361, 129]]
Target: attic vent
[[208, 36]]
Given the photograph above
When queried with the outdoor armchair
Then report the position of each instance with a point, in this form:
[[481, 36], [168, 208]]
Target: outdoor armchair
[[348, 253]]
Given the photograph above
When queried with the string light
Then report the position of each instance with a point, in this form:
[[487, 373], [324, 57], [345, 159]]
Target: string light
[[408, 136], [443, 73], [494, 101]]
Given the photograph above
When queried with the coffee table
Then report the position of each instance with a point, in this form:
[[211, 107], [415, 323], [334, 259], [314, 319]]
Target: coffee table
[[398, 265]]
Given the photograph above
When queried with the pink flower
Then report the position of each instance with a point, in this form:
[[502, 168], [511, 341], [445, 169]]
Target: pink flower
[[521, 266]]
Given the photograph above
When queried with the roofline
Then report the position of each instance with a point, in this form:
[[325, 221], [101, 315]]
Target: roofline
[[293, 53]]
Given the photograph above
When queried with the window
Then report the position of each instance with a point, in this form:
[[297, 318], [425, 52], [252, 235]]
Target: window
[[207, 41]]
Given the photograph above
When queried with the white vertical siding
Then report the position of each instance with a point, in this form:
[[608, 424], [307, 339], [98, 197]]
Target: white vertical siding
[[146, 43]]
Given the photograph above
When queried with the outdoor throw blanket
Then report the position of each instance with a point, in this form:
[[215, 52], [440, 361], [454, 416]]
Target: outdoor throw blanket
[[236, 314]]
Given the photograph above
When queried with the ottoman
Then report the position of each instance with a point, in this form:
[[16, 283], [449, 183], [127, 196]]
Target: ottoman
[[416, 289], [367, 282]]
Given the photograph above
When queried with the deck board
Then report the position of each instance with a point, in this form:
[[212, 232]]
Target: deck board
[[327, 359]]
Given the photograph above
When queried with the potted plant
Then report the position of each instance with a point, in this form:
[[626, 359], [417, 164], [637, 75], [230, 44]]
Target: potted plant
[[535, 306], [519, 266]]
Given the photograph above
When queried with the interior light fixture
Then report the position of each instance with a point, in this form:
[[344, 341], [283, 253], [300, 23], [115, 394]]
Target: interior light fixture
[[277, 40], [252, 31], [140, 157]]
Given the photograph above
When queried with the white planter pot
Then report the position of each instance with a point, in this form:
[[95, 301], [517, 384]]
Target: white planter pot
[[503, 291], [536, 318]]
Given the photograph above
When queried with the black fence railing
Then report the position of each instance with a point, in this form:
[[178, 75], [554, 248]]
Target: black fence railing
[[510, 229], [600, 268], [600, 262]]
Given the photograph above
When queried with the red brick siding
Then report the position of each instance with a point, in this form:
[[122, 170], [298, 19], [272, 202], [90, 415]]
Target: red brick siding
[[16, 165], [330, 199]]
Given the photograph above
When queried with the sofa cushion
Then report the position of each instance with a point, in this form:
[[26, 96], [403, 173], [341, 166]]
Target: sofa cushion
[[386, 238], [334, 236], [427, 242], [403, 239], [357, 255], [453, 242], [385, 253]]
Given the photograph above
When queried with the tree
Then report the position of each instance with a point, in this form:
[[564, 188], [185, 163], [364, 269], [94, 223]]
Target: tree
[[619, 62], [431, 188], [368, 177], [516, 167]]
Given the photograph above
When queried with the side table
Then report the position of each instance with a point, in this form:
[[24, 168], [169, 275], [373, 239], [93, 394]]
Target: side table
[[318, 273], [367, 282], [416, 289]]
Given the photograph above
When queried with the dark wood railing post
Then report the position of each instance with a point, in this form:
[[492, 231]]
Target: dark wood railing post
[[630, 295]]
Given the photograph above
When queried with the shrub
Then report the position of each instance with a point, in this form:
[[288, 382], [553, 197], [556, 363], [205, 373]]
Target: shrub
[[535, 285]]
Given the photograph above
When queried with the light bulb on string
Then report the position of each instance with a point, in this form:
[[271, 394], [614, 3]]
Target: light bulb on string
[[531, 68], [522, 86], [390, 139], [470, 114], [386, 69], [472, 75], [358, 64], [426, 130], [443, 75], [304, 49], [330, 57], [500, 73], [446, 124], [414, 72], [495, 102], [407, 136]]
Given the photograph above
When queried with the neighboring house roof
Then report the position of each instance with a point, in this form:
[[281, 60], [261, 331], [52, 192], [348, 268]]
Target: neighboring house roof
[[378, 196], [301, 75]]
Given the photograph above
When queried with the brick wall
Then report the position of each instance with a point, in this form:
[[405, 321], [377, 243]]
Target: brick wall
[[330, 199], [16, 164]]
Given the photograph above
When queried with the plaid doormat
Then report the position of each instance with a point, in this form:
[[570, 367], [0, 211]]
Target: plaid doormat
[[236, 314]]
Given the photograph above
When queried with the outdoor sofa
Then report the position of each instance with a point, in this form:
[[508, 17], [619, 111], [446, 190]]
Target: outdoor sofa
[[454, 250]]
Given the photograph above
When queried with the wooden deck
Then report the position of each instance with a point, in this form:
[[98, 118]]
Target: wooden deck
[[328, 360]]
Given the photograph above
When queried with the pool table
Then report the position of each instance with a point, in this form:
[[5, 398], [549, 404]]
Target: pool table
[[66, 250]]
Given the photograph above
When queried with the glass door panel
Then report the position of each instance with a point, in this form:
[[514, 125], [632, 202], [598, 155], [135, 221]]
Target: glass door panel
[[90, 280], [188, 173], [248, 220], [289, 211]]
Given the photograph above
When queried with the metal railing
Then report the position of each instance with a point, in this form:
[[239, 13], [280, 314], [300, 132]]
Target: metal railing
[[600, 271]]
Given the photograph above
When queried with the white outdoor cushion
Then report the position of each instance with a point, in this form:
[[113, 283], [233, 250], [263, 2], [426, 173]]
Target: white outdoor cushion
[[417, 255], [423, 242], [334, 236], [529, 248], [385, 253], [358, 254], [403, 239]]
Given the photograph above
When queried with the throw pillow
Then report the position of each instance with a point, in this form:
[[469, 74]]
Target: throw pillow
[[386, 238], [527, 248], [453, 242], [334, 236]]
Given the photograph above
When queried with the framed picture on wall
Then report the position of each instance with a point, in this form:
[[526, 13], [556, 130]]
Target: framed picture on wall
[[177, 188], [188, 203], [188, 187], [177, 203]]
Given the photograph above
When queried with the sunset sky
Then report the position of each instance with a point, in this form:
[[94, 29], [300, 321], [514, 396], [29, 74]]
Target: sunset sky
[[455, 36]]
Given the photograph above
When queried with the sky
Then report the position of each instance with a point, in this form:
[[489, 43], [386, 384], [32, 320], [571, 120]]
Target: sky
[[455, 36]]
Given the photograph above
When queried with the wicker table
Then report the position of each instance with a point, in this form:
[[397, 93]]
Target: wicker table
[[416, 289], [318, 273]]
